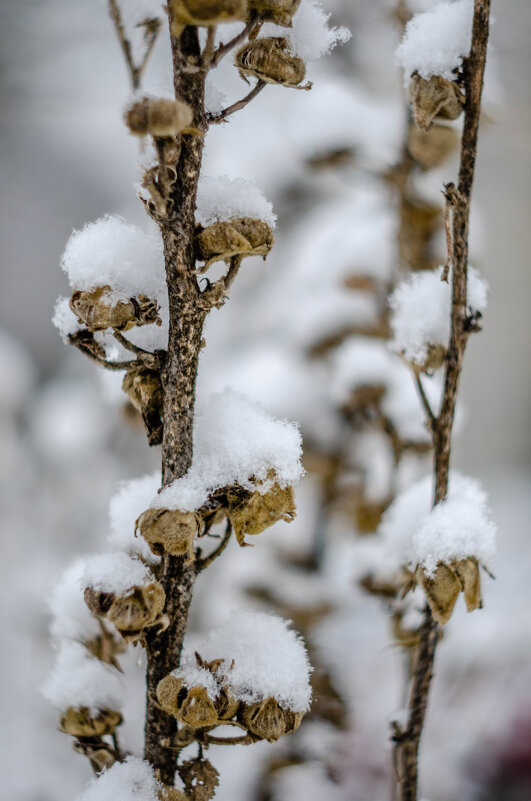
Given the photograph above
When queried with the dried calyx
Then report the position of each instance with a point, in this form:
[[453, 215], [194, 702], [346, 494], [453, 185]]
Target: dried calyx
[[434, 98], [242, 236], [160, 117], [270, 59], [143, 387], [204, 13], [278, 11], [169, 530], [131, 613], [98, 310], [84, 722], [449, 580], [253, 512]]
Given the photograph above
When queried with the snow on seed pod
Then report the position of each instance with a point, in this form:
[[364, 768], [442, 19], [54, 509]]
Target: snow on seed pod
[[82, 722], [99, 310], [160, 117], [270, 59], [143, 387], [204, 13], [279, 12], [254, 512], [434, 98], [242, 236], [169, 530], [431, 148]]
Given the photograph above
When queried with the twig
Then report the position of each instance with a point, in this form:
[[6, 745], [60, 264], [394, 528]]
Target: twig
[[104, 362], [151, 359], [202, 563], [215, 119], [208, 50], [135, 71], [432, 420], [235, 264], [223, 49], [212, 739]]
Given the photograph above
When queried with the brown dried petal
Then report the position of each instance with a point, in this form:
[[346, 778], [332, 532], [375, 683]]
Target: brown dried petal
[[468, 572], [252, 513], [442, 591], [434, 97], [226, 706], [79, 722], [269, 59], [168, 690], [197, 709], [143, 387], [368, 515], [169, 530], [432, 148], [265, 719]]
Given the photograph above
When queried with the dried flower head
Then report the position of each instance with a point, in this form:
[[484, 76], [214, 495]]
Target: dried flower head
[[204, 13], [242, 236], [443, 588], [160, 117], [141, 608], [81, 722], [267, 720], [98, 310], [191, 705], [434, 98], [431, 148], [143, 387], [169, 530], [253, 512], [270, 59], [278, 11]]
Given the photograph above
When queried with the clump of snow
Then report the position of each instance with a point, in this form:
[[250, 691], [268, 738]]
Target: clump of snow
[[131, 780], [270, 660], [193, 676], [72, 619], [115, 572], [78, 679], [114, 253], [421, 311], [125, 507], [64, 319], [310, 37], [235, 440], [436, 41], [220, 198], [215, 99]]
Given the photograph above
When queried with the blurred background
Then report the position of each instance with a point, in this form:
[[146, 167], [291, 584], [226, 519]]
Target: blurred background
[[325, 159]]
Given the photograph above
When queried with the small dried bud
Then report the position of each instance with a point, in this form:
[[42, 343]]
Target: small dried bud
[[433, 98], [160, 117], [241, 236], [98, 310], [435, 358], [278, 11], [204, 13], [431, 148], [252, 513], [131, 613], [265, 719], [143, 387], [79, 722], [169, 530], [270, 60]]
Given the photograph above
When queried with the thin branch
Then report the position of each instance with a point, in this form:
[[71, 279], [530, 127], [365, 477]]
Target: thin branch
[[135, 71], [146, 356], [432, 420], [214, 119], [201, 564], [246, 739], [235, 264], [208, 50], [104, 362], [223, 49]]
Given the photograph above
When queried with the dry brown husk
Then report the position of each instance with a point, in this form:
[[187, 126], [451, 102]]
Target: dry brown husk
[[169, 530], [432, 148], [99, 311], [197, 709], [132, 613], [443, 588], [200, 778], [253, 512], [270, 60], [278, 11], [368, 514], [204, 13], [435, 358], [241, 236], [265, 719], [79, 722], [143, 387], [160, 117], [433, 98], [168, 690]]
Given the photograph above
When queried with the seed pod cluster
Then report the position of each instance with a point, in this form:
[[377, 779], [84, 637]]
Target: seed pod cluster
[[159, 117], [434, 98], [254, 512], [270, 59], [278, 11], [81, 722], [431, 148], [241, 236], [141, 608], [143, 387], [192, 705], [204, 13], [169, 530], [98, 310], [443, 588]]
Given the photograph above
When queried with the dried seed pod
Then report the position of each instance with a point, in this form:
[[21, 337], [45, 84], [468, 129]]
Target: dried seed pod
[[434, 97], [265, 719], [197, 709], [98, 310], [368, 514], [270, 59], [169, 530], [168, 692], [278, 11], [204, 13], [251, 513], [141, 608], [226, 706], [160, 117], [243, 236], [143, 387], [468, 572], [442, 591], [80, 722], [431, 148]]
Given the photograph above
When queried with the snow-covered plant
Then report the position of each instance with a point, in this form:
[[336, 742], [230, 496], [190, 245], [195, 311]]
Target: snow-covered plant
[[139, 302]]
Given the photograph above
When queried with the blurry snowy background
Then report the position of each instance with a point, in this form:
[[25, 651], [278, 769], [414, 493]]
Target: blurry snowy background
[[67, 159]]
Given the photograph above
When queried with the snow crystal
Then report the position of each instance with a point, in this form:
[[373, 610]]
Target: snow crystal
[[310, 37], [436, 41], [194, 676], [79, 679], [270, 660], [114, 253], [421, 311], [220, 198], [131, 780], [115, 572], [125, 507], [72, 619], [64, 319], [235, 439]]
